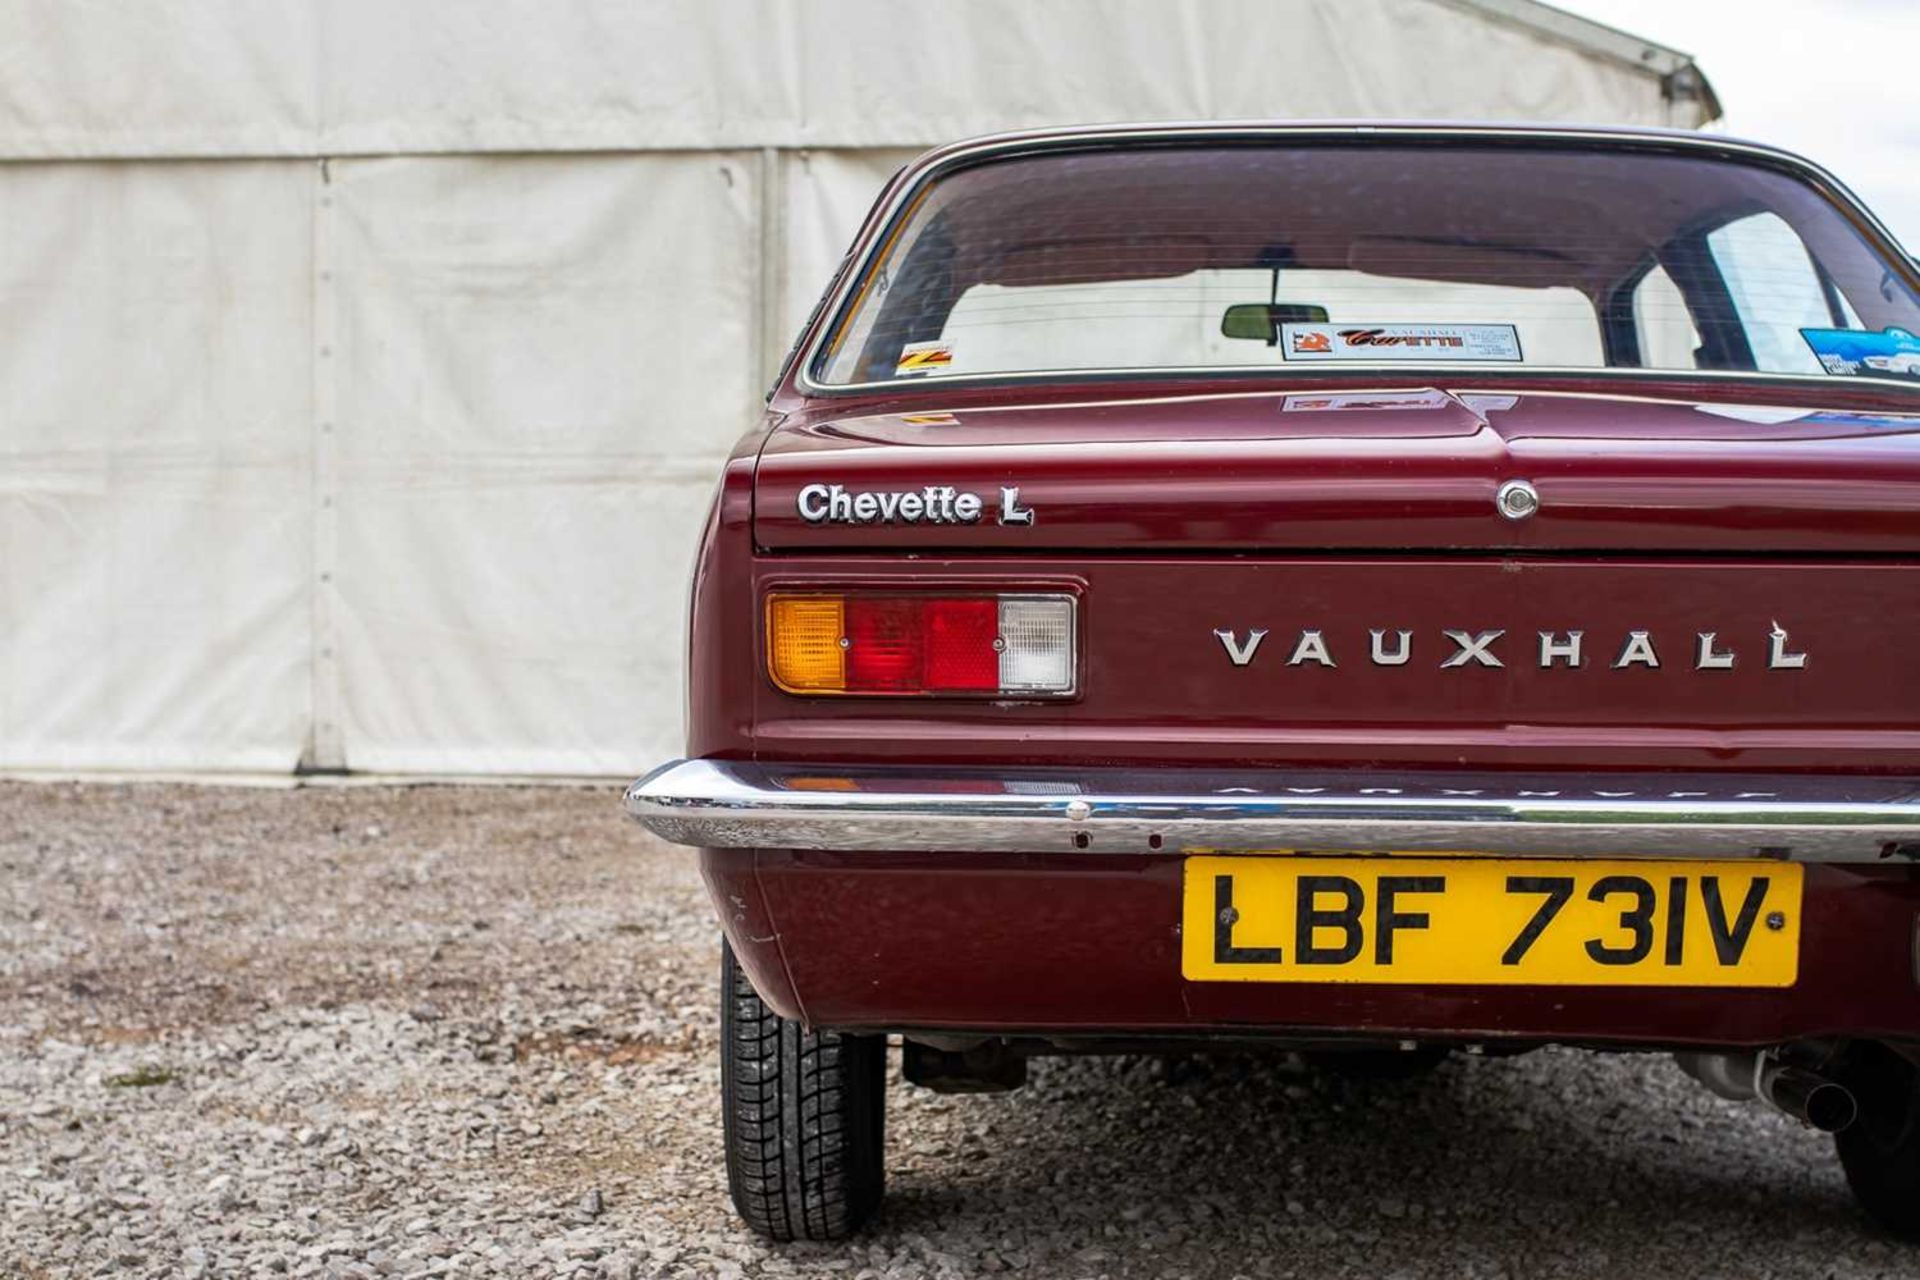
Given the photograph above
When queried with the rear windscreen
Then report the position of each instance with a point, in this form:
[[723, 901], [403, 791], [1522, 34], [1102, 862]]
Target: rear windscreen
[[1218, 256]]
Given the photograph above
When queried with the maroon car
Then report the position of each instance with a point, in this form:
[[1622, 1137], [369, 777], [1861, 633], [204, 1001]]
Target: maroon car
[[1364, 590]]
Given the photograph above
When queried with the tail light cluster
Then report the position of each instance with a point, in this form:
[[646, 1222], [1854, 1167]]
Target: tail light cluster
[[1010, 644]]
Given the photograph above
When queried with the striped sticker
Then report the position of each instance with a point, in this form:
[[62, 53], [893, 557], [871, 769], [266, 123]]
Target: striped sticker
[[924, 357]]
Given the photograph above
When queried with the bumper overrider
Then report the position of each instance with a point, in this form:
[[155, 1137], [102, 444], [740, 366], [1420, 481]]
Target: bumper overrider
[[1048, 902]]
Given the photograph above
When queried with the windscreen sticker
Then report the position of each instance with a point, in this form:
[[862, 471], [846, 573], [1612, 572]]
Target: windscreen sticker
[[1891, 353], [1365, 400], [1417, 342], [924, 357]]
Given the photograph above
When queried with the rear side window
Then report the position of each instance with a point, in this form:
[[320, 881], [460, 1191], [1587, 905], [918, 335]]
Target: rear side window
[[1244, 256], [1662, 324], [1773, 288]]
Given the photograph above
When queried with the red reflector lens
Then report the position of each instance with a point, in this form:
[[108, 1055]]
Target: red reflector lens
[[885, 649], [960, 636], [922, 644]]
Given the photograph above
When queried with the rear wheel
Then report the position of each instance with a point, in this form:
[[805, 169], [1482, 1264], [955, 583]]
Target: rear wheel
[[1880, 1151], [805, 1118]]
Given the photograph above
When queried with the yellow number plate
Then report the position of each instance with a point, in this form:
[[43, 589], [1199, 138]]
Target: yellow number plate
[[1453, 920]]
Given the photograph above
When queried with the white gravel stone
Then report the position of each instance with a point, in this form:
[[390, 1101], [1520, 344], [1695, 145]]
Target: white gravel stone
[[470, 1032]]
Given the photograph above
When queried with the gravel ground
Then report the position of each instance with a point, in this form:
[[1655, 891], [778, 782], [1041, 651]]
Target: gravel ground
[[470, 1031]]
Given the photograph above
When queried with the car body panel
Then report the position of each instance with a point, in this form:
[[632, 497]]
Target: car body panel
[[1383, 469], [1080, 945], [1161, 687], [1176, 504]]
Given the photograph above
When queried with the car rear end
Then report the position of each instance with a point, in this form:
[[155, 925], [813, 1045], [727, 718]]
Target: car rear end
[[1175, 600]]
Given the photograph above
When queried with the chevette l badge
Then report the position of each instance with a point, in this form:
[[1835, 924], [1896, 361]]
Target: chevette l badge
[[933, 504], [1390, 647]]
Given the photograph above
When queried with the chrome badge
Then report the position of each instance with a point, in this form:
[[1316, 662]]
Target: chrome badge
[[1704, 650], [931, 504]]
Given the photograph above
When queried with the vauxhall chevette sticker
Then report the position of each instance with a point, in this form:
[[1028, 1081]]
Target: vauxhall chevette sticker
[[1392, 647], [1418, 342], [933, 504]]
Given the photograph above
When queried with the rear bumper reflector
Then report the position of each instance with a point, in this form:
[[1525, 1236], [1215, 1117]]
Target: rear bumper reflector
[[732, 804]]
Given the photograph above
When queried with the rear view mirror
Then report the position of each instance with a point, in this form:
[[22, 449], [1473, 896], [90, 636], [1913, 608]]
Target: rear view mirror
[[1261, 321]]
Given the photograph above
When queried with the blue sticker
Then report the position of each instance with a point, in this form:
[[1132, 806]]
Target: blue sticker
[[1891, 353], [1870, 421]]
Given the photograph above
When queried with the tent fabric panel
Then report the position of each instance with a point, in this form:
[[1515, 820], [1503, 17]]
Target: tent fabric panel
[[154, 449], [543, 361], [152, 78]]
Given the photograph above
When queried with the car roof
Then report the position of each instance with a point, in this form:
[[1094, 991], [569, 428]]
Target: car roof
[[1147, 133]]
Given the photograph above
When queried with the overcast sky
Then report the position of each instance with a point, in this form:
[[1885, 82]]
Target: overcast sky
[[1836, 80]]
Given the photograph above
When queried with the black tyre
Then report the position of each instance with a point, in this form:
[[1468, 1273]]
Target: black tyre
[[805, 1118], [1880, 1150]]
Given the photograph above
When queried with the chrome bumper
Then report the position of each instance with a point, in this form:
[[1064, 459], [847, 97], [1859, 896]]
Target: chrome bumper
[[728, 804]]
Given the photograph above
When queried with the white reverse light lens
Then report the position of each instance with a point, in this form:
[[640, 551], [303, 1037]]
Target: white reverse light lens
[[1039, 652]]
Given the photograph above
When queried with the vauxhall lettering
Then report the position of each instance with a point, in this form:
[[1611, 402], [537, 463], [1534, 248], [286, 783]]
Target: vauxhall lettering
[[1472, 649]]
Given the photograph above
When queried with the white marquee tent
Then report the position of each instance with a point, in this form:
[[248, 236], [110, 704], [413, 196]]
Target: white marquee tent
[[364, 367]]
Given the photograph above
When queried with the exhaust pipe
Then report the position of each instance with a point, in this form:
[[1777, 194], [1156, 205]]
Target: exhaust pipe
[[1807, 1096], [1811, 1099]]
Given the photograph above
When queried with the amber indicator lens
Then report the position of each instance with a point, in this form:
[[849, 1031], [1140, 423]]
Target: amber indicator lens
[[924, 645], [805, 652]]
